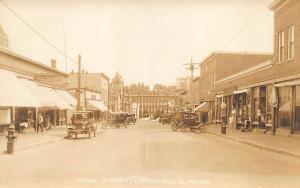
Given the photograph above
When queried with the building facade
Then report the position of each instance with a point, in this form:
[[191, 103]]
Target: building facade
[[217, 66], [96, 82], [32, 80], [151, 105], [116, 94], [267, 94]]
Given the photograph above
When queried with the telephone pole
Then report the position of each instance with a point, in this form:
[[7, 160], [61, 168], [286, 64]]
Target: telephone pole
[[79, 85], [191, 67]]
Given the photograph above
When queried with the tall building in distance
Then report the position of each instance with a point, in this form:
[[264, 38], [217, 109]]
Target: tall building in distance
[[143, 102], [116, 94]]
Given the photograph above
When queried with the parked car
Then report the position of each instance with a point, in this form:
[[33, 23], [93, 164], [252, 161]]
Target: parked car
[[187, 120], [82, 122]]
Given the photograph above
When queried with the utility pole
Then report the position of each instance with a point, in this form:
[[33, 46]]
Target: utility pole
[[65, 47], [191, 67], [108, 98], [79, 85]]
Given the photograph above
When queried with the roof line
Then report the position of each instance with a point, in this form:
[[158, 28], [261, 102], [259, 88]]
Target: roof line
[[213, 53], [18, 56]]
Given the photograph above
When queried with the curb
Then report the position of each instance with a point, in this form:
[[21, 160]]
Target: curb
[[31, 145], [267, 148], [35, 144]]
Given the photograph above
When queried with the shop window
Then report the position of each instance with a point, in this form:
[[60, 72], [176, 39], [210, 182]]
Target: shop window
[[285, 107], [262, 103], [269, 109], [297, 109], [256, 103]]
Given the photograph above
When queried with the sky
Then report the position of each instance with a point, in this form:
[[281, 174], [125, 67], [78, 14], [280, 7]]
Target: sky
[[146, 41]]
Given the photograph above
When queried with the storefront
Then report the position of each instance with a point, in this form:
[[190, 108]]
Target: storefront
[[259, 113], [202, 111], [241, 107], [16, 100], [99, 109], [211, 111], [218, 112]]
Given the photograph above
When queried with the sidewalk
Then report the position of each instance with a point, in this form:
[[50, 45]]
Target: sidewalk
[[288, 145], [32, 138]]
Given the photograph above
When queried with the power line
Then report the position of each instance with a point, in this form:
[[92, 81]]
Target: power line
[[238, 32], [36, 32]]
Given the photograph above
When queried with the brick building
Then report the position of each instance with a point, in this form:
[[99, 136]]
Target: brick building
[[96, 82], [267, 94], [217, 66], [151, 105], [142, 101]]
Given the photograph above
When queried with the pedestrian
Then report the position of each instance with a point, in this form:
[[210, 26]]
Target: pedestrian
[[47, 122], [40, 124]]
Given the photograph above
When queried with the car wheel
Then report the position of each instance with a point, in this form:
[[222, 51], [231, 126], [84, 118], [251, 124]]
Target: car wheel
[[202, 128], [69, 136], [174, 126]]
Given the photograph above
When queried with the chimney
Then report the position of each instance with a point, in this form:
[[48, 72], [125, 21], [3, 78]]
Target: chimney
[[53, 63]]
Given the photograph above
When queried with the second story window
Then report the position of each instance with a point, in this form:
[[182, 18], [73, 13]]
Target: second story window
[[291, 40], [281, 46]]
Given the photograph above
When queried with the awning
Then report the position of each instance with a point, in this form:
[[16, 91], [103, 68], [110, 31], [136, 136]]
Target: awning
[[14, 92], [240, 91], [203, 107], [59, 101], [41, 93], [68, 97], [96, 105]]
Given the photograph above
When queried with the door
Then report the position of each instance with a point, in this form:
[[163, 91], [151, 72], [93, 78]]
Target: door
[[297, 109]]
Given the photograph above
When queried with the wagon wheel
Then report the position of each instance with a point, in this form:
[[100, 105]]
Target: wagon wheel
[[174, 126], [94, 133], [202, 128], [75, 135], [117, 125], [89, 134], [194, 130]]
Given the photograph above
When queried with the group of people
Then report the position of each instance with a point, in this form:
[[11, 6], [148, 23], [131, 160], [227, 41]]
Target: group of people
[[44, 121]]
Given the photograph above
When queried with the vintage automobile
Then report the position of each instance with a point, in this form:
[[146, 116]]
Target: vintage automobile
[[167, 119], [120, 119], [187, 120], [82, 122]]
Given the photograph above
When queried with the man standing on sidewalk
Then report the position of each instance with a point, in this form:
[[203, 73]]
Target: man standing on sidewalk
[[40, 124]]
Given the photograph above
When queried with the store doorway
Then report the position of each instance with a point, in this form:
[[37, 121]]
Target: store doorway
[[297, 109]]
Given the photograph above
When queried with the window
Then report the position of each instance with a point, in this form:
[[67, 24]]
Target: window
[[291, 44], [281, 46]]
